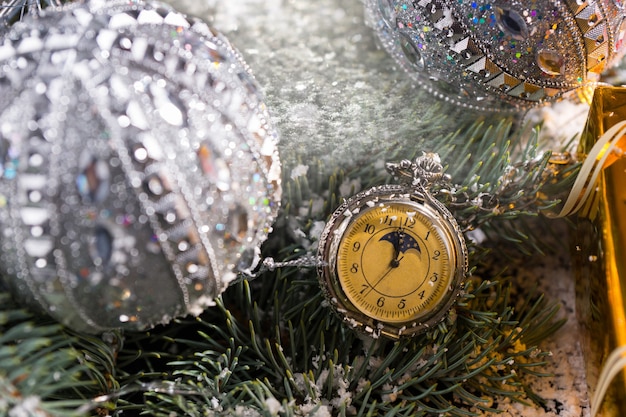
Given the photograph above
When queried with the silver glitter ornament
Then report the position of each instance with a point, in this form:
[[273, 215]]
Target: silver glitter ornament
[[501, 54], [139, 172]]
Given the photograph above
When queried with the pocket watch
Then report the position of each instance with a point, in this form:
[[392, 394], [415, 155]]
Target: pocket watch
[[395, 259]]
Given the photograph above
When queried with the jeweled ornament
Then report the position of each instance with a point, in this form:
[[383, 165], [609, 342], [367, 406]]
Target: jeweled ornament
[[395, 257], [501, 54], [139, 172]]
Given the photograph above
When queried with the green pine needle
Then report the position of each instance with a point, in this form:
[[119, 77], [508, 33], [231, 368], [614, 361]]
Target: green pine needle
[[44, 370]]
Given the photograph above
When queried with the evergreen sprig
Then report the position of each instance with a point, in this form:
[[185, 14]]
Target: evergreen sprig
[[250, 358], [45, 371]]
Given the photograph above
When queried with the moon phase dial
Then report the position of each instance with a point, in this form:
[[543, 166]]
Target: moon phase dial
[[396, 261]]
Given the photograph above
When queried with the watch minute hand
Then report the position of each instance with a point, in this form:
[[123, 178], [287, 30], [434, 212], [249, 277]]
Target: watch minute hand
[[391, 268]]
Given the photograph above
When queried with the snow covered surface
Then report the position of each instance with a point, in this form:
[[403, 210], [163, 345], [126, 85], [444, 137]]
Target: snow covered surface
[[332, 92]]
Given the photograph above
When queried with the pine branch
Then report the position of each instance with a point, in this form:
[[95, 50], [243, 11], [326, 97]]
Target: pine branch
[[250, 358], [44, 370]]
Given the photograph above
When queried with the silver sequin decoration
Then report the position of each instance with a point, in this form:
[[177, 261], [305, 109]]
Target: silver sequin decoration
[[138, 169]]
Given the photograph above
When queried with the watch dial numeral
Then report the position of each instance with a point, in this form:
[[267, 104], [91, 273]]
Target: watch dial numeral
[[409, 222], [434, 277], [380, 302], [388, 220], [370, 229], [364, 288], [436, 255], [354, 268], [402, 304], [422, 294], [427, 235], [356, 246]]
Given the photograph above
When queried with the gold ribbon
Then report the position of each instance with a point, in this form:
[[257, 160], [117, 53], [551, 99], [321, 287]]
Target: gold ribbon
[[606, 150], [613, 365]]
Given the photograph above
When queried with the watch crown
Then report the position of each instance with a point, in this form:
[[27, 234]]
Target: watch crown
[[426, 170]]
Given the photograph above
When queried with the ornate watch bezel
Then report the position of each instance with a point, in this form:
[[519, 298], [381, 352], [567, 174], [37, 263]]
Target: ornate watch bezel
[[347, 214]]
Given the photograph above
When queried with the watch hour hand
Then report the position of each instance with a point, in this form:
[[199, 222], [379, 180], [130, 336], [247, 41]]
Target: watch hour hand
[[395, 262]]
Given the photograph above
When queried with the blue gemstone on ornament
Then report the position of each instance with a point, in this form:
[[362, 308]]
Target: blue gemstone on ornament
[[512, 23], [10, 172], [103, 245], [9, 161]]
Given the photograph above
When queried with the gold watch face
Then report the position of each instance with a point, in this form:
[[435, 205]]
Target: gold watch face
[[396, 263]]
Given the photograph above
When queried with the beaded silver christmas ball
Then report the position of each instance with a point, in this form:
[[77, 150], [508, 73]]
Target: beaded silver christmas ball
[[139, 172], [501, 54]]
